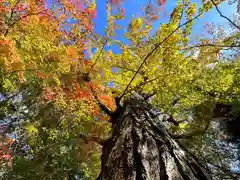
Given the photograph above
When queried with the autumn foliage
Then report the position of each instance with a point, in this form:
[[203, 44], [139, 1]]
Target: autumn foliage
[[57, 74]]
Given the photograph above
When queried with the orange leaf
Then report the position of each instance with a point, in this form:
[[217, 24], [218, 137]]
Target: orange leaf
[[71, 52]]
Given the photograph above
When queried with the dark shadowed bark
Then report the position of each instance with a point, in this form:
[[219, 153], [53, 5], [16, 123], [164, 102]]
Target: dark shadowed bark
[[141, 149]]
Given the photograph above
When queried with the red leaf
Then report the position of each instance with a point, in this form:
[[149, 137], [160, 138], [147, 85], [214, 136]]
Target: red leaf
[[115, 2], [161, 2]]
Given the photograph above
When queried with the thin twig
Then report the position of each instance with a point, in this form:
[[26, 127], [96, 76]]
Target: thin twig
[[11, 15], [127, 69], [96, 60], [153, 50], [95, 36], [209, 45], [180, 20], [225, 17]]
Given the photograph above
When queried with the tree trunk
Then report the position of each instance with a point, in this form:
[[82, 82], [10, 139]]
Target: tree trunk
[[141, 149]]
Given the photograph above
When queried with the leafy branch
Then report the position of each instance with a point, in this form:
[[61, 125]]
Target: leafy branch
[[154, 49]]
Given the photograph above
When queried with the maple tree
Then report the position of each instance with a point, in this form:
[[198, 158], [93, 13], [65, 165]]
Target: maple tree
[[57, 101]]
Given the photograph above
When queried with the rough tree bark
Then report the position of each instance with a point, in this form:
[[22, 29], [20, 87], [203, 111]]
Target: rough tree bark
[[141, 149]]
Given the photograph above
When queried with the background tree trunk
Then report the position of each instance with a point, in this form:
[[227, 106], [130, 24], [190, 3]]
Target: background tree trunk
[[141, 149]]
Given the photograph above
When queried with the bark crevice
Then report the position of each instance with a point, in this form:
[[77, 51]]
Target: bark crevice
[[138, 167]]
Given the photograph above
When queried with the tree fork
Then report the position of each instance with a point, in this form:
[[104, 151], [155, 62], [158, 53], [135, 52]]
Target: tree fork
[[141, 149]]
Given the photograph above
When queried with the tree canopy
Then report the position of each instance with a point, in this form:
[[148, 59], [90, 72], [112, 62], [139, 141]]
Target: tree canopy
[[59, 84]]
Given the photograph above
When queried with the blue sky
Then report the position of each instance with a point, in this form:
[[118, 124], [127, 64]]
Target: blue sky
[[133, 7]]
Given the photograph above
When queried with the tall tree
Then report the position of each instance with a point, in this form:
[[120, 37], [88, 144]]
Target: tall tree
[[141, 148], [66, 99]]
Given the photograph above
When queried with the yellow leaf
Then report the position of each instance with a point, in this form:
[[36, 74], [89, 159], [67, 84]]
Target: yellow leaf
[[30, 128], [182, 125], [71, 52]]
